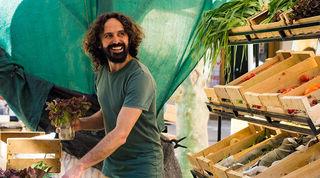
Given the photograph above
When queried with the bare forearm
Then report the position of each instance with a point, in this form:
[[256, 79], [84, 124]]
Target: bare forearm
[[93, 122], [111, 142]]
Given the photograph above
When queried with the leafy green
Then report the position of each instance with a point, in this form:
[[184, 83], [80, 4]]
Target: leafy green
[[63, 111], [212, 30], [42, 166], [276, 7]]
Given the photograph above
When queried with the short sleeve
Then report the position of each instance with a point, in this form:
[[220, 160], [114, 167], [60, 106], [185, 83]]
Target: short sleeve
[[140, 91]]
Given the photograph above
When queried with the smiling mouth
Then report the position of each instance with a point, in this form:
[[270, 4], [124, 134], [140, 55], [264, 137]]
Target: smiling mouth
[[117, 49]]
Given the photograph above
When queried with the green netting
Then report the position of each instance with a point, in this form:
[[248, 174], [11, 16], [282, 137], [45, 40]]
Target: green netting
[[45, 38]]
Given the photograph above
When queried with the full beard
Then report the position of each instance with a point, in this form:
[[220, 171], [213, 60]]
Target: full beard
[[116, 57]]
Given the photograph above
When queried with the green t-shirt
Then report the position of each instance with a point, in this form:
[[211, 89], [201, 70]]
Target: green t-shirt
[[132, 86]]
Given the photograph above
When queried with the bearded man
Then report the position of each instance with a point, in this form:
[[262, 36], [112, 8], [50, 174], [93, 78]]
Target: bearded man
[[126, 93]]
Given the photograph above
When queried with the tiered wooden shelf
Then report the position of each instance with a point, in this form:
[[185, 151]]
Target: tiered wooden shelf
[[307, 28]]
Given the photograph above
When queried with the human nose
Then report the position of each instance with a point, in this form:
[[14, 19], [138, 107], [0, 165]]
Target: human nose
[[116, 40]]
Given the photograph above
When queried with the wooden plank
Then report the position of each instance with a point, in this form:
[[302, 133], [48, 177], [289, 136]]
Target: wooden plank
[[306, 30], [220, 171], [192, 158], [270, 99], [30, 146], [292, 162], [280, 23], [206, 164], [235, 148], [235, 96], [211, 95], [296, 58], [310, 171], [246, 28], [25, 163], [258, 18], [222, 94], [230, 140], [4, 135], [253, 100], [245, 152], [285, 77], [235, 88], [280, 56]]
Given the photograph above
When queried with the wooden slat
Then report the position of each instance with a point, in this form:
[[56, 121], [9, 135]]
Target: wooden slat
[[310, 171], [211, 95], [220, 171], [30, 146], [306, 30], [292, 162], [238, 136], [4, 135], [222, 94], [25, 163], [235, 148], [287, 77]]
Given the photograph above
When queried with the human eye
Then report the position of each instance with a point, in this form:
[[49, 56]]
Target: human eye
[[122, 33], [108, 36]]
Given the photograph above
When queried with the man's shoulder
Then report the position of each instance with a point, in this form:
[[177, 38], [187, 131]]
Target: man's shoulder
[[140, 69]]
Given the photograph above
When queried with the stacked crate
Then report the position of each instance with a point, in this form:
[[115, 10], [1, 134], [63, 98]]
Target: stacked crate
[[19, 150], [204, 161]]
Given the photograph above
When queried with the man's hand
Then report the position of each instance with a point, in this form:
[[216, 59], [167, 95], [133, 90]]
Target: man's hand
[[74, 172], [76, 124]]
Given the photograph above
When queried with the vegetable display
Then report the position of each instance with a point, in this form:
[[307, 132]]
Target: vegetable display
[[213, 28]]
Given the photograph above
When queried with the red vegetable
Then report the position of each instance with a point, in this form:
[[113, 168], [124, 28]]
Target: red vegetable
[[304, 78]]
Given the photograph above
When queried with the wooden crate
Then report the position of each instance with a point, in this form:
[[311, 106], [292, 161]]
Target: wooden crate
[[222, 171], [305, 30], [284, 79], [295, 100], [234, 90], [221, 145], [22, 152], [257, 19], [310, 170], [4, 135], [272, 101], [237, 173], [290, 164], [233, 144]]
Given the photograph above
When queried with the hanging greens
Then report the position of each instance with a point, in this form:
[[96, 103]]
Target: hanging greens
[[276, 7], [212, 31]]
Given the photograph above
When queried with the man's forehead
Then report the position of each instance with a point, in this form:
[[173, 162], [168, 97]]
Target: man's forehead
[[113, 25]]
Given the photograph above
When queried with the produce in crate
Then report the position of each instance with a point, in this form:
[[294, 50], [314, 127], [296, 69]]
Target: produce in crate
[[63, 111], [288, 146], [276, 7], [37, 170], [305, 8]]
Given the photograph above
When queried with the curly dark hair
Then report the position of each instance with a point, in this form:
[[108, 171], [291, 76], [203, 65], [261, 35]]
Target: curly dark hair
[[92, 42]]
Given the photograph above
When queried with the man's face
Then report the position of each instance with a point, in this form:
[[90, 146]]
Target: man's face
[[115, 41]]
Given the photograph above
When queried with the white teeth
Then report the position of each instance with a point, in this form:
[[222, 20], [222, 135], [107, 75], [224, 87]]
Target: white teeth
[[117, 48]]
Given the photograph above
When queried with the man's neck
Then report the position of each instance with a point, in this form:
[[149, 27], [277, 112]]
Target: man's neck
[[114, 67]]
